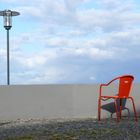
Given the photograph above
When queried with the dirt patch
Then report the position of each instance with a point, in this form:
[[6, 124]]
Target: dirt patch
[[76, 129]]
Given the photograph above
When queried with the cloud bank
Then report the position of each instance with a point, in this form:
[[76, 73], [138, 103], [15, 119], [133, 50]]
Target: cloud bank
[[68, 41]]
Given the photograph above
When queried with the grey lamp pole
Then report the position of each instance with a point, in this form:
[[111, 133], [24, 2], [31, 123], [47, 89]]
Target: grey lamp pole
[[7, 17]]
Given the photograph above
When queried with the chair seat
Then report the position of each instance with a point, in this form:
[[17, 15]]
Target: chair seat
[[115, 97]]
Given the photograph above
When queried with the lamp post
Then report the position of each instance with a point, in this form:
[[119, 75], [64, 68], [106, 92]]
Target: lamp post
[[7, 17]]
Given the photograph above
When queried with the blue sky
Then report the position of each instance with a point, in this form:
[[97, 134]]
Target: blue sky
[[71, 41]]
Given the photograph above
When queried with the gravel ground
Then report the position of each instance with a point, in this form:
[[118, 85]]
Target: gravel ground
[[76, 129]]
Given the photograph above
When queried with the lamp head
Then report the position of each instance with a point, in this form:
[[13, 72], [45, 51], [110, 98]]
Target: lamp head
[[7, 17]]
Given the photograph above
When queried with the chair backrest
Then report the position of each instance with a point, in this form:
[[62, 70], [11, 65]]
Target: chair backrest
[[125, 86]]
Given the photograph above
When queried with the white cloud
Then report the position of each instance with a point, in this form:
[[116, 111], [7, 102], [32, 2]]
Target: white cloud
[[73, 44]]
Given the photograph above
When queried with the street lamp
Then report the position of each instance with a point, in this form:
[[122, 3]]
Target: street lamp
[[7, 17]]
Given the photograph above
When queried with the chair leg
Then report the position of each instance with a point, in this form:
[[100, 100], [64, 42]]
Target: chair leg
[[116, 110], [136, 118], [120, 112], [99, 109], [120, 108]]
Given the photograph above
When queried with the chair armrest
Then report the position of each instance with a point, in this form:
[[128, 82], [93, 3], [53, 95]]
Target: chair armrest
[[101, 85]]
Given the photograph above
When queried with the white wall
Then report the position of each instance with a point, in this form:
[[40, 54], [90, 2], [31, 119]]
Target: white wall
[[53, 101]]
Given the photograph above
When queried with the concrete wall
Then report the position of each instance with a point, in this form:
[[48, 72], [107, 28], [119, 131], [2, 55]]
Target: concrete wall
[[54, 101]]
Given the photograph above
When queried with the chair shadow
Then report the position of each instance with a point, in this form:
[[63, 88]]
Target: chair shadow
[[110, 107]]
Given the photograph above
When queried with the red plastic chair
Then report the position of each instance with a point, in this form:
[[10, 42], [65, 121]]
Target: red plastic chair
[[125, 83]]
